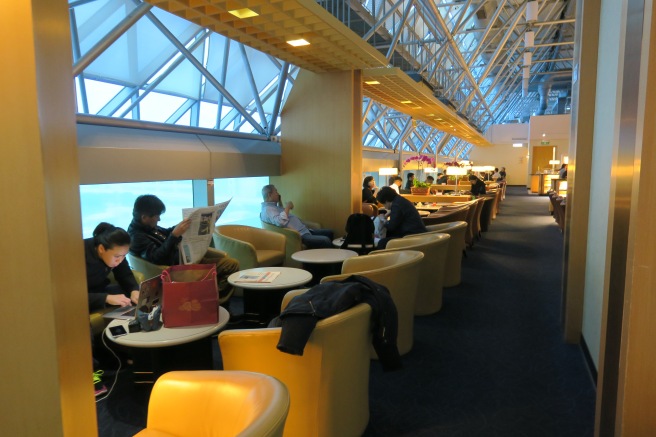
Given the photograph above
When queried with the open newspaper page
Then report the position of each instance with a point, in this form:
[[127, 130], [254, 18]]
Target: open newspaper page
[[198, 237]]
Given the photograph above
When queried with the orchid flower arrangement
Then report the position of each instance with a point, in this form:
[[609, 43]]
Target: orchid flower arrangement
[[421, 160]]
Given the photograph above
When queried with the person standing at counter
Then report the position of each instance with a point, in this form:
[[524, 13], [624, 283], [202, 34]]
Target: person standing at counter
[[562, 173], [369, 190], [410, 182]]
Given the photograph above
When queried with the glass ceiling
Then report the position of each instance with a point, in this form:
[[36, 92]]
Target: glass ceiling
[[491, 61]]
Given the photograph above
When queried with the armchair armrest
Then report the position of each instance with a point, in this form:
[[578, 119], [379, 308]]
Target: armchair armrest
[[242, 251]]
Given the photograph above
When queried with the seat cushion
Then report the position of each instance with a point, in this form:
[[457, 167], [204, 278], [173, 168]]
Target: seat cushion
[[268, 258]]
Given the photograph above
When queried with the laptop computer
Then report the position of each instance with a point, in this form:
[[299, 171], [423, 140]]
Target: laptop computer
[[150, 293]]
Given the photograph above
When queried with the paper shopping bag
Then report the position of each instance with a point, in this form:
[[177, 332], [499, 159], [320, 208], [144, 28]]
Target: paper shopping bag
[[190, 295]]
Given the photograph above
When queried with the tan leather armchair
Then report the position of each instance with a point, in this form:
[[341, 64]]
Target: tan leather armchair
[[151, 270], [399, 272], [328, 385], [457, 230], [252, 247], [431, 273], [218, 404], [293, 240]]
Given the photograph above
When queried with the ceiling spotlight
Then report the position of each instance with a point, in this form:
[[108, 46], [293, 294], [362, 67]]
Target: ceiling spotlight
[[243, 13], [372, 82], [298, 42]]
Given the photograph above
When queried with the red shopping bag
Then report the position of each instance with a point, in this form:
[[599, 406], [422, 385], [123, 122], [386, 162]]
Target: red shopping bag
[[190, 295]]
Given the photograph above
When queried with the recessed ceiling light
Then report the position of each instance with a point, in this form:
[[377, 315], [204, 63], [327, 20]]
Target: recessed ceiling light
[[430, 115], [406, 101], [438, 118], [372, 82], [243, 13], [298, 42]]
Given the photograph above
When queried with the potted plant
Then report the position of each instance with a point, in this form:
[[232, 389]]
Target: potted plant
[[419, 187]]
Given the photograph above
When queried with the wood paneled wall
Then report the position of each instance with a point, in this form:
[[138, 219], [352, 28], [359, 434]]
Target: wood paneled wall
[[46, 366], [321, 148]]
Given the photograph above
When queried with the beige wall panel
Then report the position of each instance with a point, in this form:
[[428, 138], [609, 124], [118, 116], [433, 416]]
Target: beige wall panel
[[105, 165], [504, 155], [579, 167], [638, 365], [238, 165], [46, 366], [321, 148]]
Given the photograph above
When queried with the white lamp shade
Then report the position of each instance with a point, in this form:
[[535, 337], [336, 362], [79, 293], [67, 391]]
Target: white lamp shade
[[430, 170], [456, 171], [479, 168], [531, 11], [554, 161], [388, 171]]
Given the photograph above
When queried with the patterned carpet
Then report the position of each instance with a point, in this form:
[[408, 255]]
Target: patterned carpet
[[492, 362]]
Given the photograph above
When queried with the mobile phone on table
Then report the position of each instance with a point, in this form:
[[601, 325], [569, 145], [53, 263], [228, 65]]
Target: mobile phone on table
[[118, 331]]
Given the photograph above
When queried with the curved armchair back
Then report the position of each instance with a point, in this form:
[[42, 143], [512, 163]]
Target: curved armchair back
[[328, 384], [252, 247], [217, 403], [399, 272], [453, 270], [431, 273], [293, 243], [447, 214], [148, 269], [370, 209]]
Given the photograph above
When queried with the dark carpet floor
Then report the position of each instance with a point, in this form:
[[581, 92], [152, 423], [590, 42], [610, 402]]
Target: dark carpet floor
[[492, 362]]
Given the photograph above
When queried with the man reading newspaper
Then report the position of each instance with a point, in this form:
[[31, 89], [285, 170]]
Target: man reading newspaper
[[162, 246]]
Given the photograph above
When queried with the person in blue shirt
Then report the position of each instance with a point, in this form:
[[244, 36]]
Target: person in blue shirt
[[275, 213]]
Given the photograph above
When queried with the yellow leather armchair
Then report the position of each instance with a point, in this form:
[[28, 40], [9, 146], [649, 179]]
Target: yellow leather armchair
[[252, 247], [328, 385], [457, 231], [217, 404], [399, 272], [293, 242], [431, 273]]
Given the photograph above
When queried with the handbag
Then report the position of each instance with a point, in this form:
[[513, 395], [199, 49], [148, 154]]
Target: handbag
[[190, 295]]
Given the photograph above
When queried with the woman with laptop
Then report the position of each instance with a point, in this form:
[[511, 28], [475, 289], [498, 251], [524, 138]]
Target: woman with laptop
[[105, 253]]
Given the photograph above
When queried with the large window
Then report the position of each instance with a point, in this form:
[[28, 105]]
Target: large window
[[113, 203], [246, 193]]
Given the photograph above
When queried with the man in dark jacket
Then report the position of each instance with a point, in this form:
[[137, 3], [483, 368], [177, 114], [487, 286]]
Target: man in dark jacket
[[403, 216], [160, 246], [477, 185]]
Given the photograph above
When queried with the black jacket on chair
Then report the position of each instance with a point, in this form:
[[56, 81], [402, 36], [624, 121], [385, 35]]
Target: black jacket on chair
[[330, 298]]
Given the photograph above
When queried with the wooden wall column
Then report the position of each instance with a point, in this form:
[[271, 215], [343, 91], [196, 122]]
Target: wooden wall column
[[46, 363], [322, 148]]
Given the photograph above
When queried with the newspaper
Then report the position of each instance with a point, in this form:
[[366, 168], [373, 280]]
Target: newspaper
[[264, 277], [198, 237]]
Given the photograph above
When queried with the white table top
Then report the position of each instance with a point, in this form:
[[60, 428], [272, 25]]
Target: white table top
[[337, 242], [289, 277], [323, 256], [167, 336]]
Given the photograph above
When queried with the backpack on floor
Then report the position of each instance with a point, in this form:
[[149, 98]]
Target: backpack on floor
[[359, 232]]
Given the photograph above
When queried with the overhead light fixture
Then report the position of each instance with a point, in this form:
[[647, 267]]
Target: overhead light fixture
[[298, 42], [407, 102], [388, 171], [243, 13], [372, 82], [518, 145]]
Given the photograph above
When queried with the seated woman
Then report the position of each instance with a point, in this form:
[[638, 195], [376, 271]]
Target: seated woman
[[369, 189], [105, 253]]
